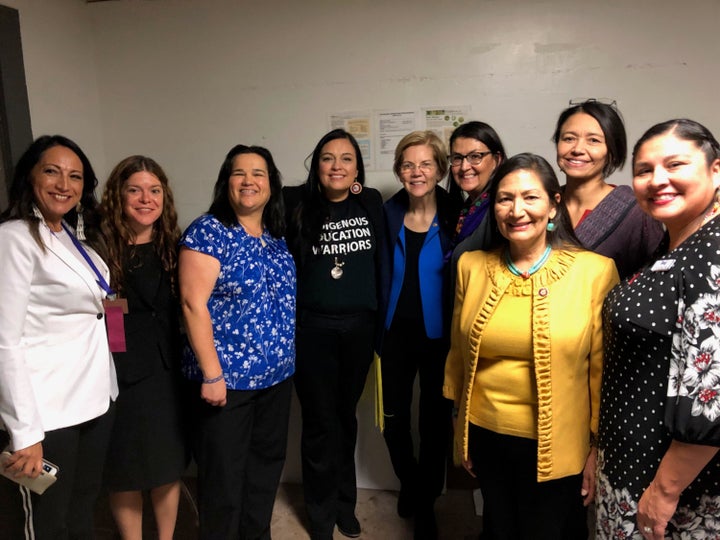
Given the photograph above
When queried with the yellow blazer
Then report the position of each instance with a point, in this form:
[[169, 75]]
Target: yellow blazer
[[566, 297]]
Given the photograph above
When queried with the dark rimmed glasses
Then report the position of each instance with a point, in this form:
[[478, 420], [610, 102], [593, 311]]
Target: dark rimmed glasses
[[473, 158]]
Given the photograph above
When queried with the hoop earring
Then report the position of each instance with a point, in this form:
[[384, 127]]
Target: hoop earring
[[356, 188]]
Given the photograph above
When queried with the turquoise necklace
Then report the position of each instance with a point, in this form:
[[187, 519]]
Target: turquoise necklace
[[534, 268]]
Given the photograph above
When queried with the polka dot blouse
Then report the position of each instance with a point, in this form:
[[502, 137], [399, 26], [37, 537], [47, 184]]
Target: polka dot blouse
[[662, 382]]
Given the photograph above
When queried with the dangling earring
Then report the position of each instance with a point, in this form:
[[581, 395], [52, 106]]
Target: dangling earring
[[355, 188], [80, 227], [550, 226]]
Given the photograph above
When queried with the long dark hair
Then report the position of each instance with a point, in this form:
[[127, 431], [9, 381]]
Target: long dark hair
[[22, 197], [119, 237], [273, 215], [562, 236], [313, 210]]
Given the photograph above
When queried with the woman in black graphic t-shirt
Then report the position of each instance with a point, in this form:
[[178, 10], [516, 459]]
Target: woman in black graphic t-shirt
[[335, 233]]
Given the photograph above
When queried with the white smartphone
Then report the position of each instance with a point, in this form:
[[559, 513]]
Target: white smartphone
[[47, 477]]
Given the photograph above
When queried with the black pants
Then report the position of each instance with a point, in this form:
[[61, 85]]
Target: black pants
[[67, 509], [407, 351], [517, 506], [333, 358], [240, 453]]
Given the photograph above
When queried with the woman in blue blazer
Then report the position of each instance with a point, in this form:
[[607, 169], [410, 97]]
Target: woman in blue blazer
[[420, 222]]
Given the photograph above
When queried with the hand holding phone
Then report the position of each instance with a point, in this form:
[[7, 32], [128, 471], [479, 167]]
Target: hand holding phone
[[26, 461], [46, 478]]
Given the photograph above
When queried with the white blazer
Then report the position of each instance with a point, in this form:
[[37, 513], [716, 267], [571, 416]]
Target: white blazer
[[56, 369]]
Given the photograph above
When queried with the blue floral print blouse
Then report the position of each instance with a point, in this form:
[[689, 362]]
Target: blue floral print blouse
[[252, 306]]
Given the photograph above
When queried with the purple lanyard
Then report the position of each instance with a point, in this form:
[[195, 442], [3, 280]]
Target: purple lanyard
[[100, 279]]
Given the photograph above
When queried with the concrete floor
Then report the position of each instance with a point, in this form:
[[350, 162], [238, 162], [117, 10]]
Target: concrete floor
[[375, 510]]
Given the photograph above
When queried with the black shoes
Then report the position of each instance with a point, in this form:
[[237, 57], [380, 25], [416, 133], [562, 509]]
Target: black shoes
[[349, 526], [406, 503], [425, 523]]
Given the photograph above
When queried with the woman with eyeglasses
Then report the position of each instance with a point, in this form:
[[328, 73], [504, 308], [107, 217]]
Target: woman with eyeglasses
[[591, 144], [420, 223], [475, 152]]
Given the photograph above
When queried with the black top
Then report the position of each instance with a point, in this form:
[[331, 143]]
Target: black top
[[409, 305], [152, 323], [346, 251], [370, 201]]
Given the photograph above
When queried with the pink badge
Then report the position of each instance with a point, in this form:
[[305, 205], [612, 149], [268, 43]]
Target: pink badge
[[115, 322]]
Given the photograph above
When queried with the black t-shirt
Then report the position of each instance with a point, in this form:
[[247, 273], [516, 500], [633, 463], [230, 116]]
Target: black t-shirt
[[347, 250], [409, 305]]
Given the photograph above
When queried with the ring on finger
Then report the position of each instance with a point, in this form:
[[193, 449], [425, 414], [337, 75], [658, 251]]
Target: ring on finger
[[647, 529]]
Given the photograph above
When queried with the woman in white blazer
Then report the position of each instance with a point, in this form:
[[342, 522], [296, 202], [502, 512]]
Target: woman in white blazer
[[57, 378]]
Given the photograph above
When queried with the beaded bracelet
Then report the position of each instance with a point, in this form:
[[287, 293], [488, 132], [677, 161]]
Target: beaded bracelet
[[214, 380]]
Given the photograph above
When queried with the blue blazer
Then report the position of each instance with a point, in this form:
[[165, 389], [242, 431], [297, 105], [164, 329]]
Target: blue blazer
[[431, 263]]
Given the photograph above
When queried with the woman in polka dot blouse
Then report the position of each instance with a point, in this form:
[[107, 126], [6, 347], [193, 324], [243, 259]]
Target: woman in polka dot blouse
[[659, 468]]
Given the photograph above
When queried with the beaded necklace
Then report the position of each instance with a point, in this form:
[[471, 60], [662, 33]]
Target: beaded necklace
[[530, 271]]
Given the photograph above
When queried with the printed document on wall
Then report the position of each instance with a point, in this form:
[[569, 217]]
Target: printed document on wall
[[359, 125], [392, 126], [444, 120]]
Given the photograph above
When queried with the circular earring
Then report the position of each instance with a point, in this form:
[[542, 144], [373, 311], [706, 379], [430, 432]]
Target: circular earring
[[550, 226], [356, 188]]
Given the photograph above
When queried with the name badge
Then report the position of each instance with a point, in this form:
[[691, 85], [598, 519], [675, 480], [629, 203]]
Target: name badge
[[662, 265], [114, 311]]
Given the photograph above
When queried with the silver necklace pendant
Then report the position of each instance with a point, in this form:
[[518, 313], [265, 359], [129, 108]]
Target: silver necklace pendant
[[336, 272]]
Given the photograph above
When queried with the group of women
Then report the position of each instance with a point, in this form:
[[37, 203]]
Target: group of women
[[501, 293], [570, 386]]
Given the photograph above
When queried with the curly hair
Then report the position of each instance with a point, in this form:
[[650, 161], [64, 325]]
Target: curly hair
[[22, 197], [119, 236]]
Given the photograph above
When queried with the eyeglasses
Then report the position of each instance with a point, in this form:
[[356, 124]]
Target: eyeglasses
[[425, 166], [474, 158], [604, 101]]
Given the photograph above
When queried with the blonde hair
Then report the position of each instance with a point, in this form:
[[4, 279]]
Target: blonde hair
[[417, 138]]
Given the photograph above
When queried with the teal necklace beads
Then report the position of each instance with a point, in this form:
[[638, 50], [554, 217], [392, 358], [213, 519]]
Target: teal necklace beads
[[530, 271]]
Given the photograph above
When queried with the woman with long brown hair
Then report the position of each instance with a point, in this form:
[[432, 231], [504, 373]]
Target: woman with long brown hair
[[147, 449]]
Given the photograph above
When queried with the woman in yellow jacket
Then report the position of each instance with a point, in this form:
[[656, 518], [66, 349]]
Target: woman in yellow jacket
[[525, 361]]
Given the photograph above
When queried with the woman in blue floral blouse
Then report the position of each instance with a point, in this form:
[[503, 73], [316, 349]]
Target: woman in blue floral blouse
[[659, 467], [237, 287]]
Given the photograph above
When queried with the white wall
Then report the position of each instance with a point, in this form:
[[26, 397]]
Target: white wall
[[61, 75], [184, 80]]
